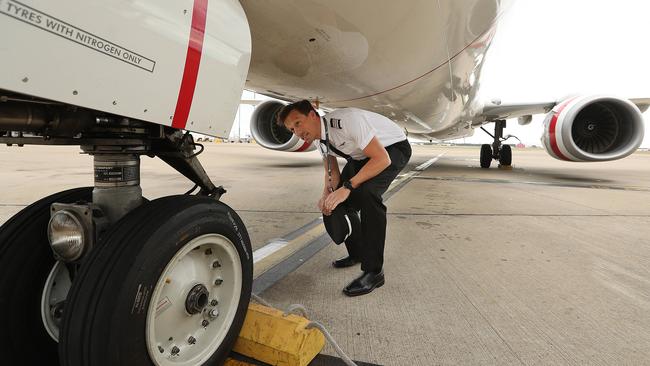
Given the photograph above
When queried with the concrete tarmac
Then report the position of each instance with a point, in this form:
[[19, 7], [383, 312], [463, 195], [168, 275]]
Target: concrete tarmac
[[544, 264]]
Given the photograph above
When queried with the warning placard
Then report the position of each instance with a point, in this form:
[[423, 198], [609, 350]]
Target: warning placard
[[31, 16]]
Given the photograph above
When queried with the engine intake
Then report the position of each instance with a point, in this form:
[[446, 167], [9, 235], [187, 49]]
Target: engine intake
[[593, 128], [271, 136]]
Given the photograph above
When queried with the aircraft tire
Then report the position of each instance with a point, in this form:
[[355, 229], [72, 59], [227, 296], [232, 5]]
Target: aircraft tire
[[505, 155], [147, 294], [486, 156], [25, 262]]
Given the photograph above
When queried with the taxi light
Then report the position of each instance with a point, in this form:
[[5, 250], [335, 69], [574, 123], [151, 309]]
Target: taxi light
[[66, 235]]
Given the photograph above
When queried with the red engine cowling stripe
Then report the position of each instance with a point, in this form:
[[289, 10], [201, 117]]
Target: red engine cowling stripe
[[192, 62], [551, 130], [304, 147]]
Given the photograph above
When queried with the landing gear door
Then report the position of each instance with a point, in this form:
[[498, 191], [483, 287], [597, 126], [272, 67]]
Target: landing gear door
[[180, 63]]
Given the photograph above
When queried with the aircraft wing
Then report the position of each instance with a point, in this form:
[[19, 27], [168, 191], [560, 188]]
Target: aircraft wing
[[642, 103], [496, 110], [578, 128], [252, 102]]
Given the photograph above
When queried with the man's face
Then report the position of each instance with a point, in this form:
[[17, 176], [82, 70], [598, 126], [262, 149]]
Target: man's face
[[307, 127]]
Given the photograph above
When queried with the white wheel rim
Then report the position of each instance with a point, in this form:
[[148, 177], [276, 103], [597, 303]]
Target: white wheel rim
[[176, 337], [55, 292]]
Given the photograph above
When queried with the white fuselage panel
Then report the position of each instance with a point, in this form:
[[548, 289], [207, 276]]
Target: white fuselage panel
[[417, 62], [130, 58]]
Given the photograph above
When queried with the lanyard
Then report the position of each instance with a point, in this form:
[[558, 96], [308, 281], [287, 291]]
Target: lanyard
[[327, 156], [335, 150]]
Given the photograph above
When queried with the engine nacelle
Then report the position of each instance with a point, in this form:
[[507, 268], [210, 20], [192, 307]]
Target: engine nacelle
[[271, 136], [593, 128]]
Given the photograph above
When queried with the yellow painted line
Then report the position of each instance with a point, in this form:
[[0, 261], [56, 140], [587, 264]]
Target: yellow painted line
[[279, 251], [276, 251]]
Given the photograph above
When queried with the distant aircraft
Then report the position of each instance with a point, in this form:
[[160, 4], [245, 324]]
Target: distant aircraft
[[102, 276]]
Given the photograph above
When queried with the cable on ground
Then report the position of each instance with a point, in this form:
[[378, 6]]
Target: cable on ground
[[294, 308]]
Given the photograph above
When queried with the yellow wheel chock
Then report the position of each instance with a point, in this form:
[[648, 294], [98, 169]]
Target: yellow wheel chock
[[271, 337]]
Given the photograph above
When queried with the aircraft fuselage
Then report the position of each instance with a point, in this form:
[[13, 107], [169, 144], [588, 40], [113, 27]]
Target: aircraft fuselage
[[417, 63]]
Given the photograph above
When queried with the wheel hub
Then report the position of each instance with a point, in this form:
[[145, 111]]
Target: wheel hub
[[53, 299], [194, 302], [197, 299]]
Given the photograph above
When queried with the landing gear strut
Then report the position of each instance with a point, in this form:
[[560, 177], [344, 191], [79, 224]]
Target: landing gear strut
[[497, 151], [100, 275]]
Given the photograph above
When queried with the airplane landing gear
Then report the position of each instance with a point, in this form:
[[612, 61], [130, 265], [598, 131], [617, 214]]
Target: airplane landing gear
[[101, 276], [497, 151], [31, 305], [486, 156], [168, 285], [505, 155]]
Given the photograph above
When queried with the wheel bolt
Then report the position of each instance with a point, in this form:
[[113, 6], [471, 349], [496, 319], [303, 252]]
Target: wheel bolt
[[162, 350], [218, 281], [208, 252], [216, 264], [213, 313], [191, 340], [175, 351], [214, 303], [205, 323]]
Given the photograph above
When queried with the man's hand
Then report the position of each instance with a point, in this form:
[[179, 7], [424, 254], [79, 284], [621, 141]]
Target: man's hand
[[334, 198], [321, 205]]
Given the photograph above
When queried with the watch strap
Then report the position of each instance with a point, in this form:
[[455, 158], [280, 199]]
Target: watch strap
[[347, 184]]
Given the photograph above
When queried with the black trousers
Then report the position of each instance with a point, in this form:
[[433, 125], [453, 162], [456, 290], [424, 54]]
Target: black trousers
[[368, 247]]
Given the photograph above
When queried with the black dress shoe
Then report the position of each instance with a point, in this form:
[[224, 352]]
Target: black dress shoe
[[344, 262], [365, 283]]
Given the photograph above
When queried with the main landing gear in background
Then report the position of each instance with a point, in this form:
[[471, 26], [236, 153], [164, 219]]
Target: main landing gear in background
[[498, 151]]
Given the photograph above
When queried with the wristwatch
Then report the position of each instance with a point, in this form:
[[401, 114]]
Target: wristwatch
[[348, 185]]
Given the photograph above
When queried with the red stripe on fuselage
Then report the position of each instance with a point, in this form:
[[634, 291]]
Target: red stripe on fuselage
[[192, 62], [551, 130], [304, 147]]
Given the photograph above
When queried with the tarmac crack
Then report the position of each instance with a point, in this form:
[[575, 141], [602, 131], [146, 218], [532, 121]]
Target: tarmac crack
[[552, 184], [554, 197]]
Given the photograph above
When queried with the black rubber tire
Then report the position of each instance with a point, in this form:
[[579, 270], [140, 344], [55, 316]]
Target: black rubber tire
[[505, 155], [486, 156], [25, 262], [102, 329]]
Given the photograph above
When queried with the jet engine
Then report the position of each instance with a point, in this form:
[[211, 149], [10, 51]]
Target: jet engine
[[593, 128], [268, 134]]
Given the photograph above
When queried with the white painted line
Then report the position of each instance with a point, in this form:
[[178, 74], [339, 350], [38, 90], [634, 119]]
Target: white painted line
[[269, 249], [428, 163], [417, 170], [278, 250]]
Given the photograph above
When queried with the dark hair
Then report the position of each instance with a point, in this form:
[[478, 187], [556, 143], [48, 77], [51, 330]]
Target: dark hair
[[303, 106]]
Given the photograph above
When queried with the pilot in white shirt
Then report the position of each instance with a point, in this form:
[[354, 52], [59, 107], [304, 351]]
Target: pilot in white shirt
[[376, 150]]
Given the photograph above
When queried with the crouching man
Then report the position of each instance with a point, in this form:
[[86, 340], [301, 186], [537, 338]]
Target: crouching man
[[376, 150]]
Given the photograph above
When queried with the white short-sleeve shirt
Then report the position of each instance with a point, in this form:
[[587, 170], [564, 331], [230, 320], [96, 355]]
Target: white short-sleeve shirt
[[351, 129]]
